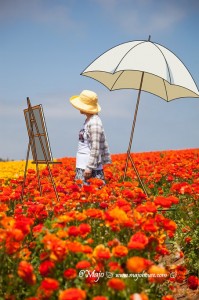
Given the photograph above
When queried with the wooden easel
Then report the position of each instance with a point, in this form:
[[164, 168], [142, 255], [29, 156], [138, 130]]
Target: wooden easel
[[33, 133]]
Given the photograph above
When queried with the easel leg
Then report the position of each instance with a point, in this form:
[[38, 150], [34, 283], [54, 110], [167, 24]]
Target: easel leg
[[39, 180], [52, 181], [26, 166]]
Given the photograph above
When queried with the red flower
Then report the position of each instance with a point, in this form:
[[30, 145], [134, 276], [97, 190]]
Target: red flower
[[114, 242], [49, 284], [163, 201], [25, 271], [46, 267], [150, 226], [37, 229], [24, 224], [162, 250], [83, 264], [188, 239], [193, 282], [169, 225], [73, 231], [87, 249], [116, 284], [103, 204], [70, 273], [181, 274], [84, 229], [138, 241], [115, 266], [148, 207]]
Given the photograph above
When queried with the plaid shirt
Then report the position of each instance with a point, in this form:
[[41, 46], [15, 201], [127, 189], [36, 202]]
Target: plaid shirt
[[99, 153]]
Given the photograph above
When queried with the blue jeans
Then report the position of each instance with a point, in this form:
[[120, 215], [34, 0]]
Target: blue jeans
[[95, 174]]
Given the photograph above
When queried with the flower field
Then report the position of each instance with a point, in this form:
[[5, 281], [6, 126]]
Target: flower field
[[102, 242]]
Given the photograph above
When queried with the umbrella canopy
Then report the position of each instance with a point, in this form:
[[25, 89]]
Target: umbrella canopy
[[164, 74], [145, 66]]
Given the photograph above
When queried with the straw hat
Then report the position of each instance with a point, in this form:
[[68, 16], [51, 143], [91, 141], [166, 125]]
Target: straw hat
[[87, 102]]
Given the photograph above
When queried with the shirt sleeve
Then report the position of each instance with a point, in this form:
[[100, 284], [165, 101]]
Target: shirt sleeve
[[95, 131]]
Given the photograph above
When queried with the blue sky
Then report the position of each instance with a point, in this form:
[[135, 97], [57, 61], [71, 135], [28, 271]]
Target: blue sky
[[46, 44]]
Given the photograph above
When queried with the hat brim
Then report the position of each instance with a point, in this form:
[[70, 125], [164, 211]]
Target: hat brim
[[77, 103]]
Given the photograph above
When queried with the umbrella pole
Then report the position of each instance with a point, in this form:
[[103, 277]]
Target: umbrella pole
[[131, 139]]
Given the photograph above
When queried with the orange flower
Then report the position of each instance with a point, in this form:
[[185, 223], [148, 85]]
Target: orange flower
[[74, 246], [25, 253], [25, 271], [94, 213], [100, 252], [118, 215], [59, 251], [17, 235], [138, 241], [137, 264], [80, 216], [120, 251], [157, 274], [56, 246], [116, 284], [72, 294]]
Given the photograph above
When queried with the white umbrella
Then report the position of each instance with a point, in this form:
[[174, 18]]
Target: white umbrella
[[143, 65]]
